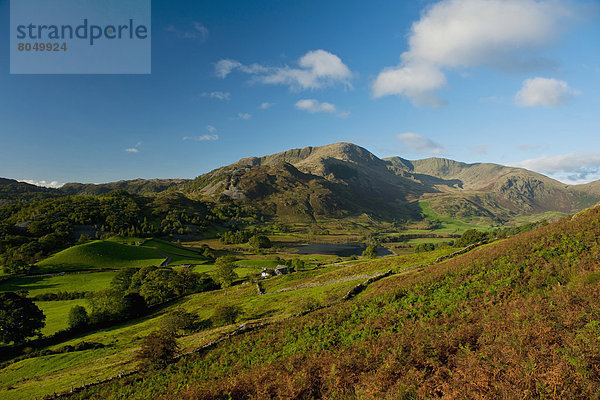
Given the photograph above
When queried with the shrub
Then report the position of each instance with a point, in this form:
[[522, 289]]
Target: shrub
[[424, 247], [78, 317], [179, 319], [157, 349], [370, 252], [258, 242], [225, 315], [471, 236]]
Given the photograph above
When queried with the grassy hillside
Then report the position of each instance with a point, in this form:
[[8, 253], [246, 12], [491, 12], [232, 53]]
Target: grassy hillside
[[80, 282], [286, 296], [119, 252], [177, 254], [100, 254], [515, 319]]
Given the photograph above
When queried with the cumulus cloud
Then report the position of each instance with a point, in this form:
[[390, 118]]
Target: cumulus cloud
[[217, 95], [196, 31], [50, 184], [417, 82], [317, 69], [544, 92], [420, 144], [202, 138], [244, 115], [469, 33], [211, 128], [575, 167], [266, 105], [314, 106]]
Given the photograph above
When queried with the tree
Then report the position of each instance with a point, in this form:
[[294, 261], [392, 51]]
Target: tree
[[106, 305], [297, 264], [224, 273], [84, 238], [78, 317], [14, 262], [225, 315], [157, 349], [179, 319], [161, 285], [20, 318], [369, 252], [134, 305], [122, 280], [471, 236], [258, 242], [424, 247]]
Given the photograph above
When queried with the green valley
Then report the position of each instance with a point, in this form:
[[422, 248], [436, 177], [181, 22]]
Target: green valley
[[270, 265]]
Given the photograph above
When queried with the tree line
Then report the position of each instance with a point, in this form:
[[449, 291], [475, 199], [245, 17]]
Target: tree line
[[30, 232]]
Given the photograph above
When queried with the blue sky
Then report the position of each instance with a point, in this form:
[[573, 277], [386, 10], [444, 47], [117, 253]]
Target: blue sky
[[504, 81]]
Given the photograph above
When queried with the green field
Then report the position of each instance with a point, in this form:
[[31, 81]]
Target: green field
[[259, 263], [118, 253], [100, 254], [449, 225], [57, 312], [177, 254], [72, 282]]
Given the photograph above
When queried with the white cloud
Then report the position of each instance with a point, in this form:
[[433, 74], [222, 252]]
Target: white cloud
[[417, 82], [225, 67], [318, 68], [313, 106], [50, 184], [134, 149], [575, 167], [202, 138], [469, 33], [420, 144], [244, 116], [266, 105], [544, 92], [197, 31], [217, 95], [211, 128]]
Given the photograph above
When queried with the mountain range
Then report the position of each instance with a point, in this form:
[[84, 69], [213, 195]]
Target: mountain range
[[342, 179]]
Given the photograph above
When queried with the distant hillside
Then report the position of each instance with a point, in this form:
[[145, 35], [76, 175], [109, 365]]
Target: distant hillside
[[12, 191], [136, 186], [311, 183], [502, 191], [350, 177], [344, 180]]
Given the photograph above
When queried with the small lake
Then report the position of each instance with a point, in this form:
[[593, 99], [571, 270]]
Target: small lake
[[340, 250]]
